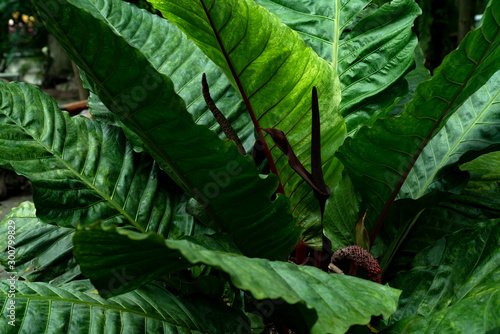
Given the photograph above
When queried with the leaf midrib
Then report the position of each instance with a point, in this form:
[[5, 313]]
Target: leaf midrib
[[336, 37], [244, 96], [430, 180], [430, 134]]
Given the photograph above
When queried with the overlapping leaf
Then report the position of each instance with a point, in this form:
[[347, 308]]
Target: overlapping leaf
[[145, 100], [454, 286], [82, 171], [341, 214], [77, 308], [172, 54], [472, 130], [419, 74], [372, 49], [43, 252], [319, 23], [445, 213], [379, 158], [274, 73], [123, 267], [373, 59], [321, 303]]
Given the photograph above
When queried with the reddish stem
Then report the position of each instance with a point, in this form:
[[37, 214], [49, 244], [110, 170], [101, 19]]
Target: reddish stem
[[245, 98], [301, 253]]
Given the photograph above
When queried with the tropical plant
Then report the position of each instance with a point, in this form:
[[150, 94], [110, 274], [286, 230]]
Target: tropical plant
[[149, 219]]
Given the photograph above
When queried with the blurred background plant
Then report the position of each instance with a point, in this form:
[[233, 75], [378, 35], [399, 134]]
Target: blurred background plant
[[443, 24], [19, 32]]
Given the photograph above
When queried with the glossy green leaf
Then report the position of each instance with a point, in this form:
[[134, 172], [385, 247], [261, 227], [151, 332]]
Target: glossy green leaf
[[83, 171], [321, 303], [472, 130], [77, 308], [274, 73], [145, 101], [379, 158], [39, 252], [372, 48], [445, 213], [172, 54], [373, 59], [320, 23], [454, 286]]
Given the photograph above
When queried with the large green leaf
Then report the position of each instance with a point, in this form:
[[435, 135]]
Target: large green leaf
[[472, 130], [83, 171], [145, 100], [172, 54], [320, 23], [454, 286], [274, 73], [320, 303], [372, 49], [43, 252], [379, 158], [373, 59], [77, 308], [445, 213], [123, 267]]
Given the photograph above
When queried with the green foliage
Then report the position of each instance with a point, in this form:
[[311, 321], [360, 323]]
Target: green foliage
[[127, 251], [76, 307], [147, 219], [449, 279]]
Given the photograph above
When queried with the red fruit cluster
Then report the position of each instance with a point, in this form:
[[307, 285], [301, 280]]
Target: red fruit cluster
[[362, 258]]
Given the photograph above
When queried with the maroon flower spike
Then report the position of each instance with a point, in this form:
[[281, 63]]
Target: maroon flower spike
[[362, 258]]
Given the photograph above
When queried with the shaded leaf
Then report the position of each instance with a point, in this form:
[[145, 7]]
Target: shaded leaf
[[446, 213], [419, 74], [145, 101], [76, 307], [379, 158], [274, 73], [458, 274], [43, 252], [373, 59], [321, 303], [82, 171], [341, 213], [115, 264]]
